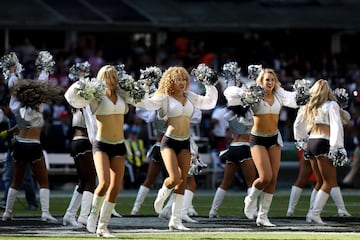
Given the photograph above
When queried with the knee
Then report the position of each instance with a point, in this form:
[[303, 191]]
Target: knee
[[266, 179], [173, 181]]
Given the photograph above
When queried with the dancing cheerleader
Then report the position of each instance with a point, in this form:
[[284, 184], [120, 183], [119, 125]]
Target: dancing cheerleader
[[81, 151], [176, 103], [26, 104], [238, 154]]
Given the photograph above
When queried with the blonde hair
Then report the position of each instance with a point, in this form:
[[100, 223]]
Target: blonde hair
[[320, 92], [171, 78], [109, 75], [260, 77]]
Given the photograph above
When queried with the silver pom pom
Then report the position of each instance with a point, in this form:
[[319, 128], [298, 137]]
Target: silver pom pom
[[9, 60], [135, 89], [45, 62], [76, 68], [338, 157], [302, 88], [232, 72], [254, 71], [301, 145], [150, 76], [196, 167], [91, 89], [342, 97], [205, 74], [252, 95]]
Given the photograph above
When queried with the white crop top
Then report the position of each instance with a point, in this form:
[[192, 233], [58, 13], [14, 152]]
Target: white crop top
[[107, 107], [265, 108], [328, 114], [176, 109], [78, 119]]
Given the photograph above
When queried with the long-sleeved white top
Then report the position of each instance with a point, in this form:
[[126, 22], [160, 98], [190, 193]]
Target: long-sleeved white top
[[328, 114]]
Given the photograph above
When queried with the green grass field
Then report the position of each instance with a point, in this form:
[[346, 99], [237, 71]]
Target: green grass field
[[232, 206]]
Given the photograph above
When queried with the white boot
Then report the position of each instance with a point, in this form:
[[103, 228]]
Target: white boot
[[94, 213], [255, 209], [74, 205], [105, 215], [192, 211], [45, 205], [265, 203], [140, 197], [175, 222], [10, 201], [188, 196], [319, 203], [166, 211], [162, 195], [293, 200], [312, 200], [86, 202], [250, 202], [336, 195], [218, 199]]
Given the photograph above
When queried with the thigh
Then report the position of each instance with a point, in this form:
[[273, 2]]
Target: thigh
[[19, 169], [38, 167], [328, 172], [171, 162], [261, 160], [102, 166], [248, 171]]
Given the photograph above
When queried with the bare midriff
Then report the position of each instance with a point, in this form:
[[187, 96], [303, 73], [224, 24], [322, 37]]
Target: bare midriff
[[179, 126], [266, 123], [80, 132], [31, 133], [110, 127], [321, 129], [241, 138]]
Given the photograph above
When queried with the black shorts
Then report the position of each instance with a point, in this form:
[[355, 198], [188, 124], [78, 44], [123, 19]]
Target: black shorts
[[27, 152], [267, 142], [176, 145], [238, 154], [112, 150], [155, 154], [79, 147], [317, 147]]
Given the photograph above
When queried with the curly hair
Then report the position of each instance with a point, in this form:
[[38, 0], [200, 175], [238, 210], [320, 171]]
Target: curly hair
[[109, 75], [32, 93], [170, 79], [320, 93], [260, 78]]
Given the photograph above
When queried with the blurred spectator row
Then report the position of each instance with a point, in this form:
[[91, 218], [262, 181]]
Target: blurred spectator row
[[339, 69]]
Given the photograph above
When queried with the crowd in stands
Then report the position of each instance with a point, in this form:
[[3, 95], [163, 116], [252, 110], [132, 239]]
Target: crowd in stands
[[339, 70]]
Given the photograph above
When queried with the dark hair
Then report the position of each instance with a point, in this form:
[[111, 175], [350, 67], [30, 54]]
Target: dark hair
[[238, 110]]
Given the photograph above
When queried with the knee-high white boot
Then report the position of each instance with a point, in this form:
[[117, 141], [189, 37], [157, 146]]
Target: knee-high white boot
[[86, 202], [255, 209], [319, 203], [74, 205], [140, 197], [162, 195], [188, 196], [105, 215], [293, 200], [311, 206], [45, 205], [175, 222], [166, 211], [10, 201], [250, 202], [94, 213], [265, 203], [217, 201], [337, 197]]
